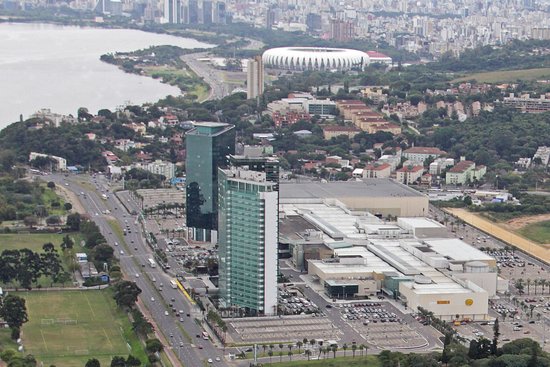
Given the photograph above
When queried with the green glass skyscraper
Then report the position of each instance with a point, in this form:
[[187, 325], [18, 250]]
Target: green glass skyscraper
[[208, 146], [248, 236]]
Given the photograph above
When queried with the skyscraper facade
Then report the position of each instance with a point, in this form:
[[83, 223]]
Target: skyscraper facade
[[248, 236], [254, 78], [208, 146]]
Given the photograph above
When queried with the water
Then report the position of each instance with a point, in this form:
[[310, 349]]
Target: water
[[58, 67]]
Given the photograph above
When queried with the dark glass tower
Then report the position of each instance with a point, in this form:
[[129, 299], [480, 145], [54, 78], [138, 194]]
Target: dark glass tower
[[208, 146]]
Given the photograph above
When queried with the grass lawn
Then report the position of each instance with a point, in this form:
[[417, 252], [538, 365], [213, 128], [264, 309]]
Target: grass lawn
[[537, 232], [49, 196], [97, 328], [5, 340], [507, 75], [34, 242], [370, 361]]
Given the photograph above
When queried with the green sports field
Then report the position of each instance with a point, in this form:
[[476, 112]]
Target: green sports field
[[66, 328], [34, 242], [538, 232]]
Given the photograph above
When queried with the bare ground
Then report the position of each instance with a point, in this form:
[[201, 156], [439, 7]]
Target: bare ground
[[70, 197], [518, 223]]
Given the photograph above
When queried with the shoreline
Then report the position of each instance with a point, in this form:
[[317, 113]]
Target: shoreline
[[7, 20]]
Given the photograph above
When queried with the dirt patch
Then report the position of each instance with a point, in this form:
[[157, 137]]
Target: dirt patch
[[502, 232], [518, 223]]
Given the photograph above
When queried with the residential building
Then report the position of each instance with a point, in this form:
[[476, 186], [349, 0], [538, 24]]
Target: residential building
[[320, 107], [254, 78], [464, 172], [542, 153], [333, 131], [527, 104], [420, 154], [248, 235], [208, 146], [377, 170], [159, 167], [409, 174], [440, 164]]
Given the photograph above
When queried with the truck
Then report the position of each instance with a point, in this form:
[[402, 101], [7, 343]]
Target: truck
[[152, 263]]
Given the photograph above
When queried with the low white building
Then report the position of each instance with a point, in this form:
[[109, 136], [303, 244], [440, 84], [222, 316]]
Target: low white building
[[61, 163]]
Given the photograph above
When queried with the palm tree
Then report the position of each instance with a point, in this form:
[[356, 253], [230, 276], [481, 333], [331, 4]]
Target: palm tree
[[353, 349], [536, 282], [290, 347], [345, 347], [361, 347], [308, 353], [281, 352], [312, 342], [334, 348], [270, 354], [299, 345], [265, 347], [528, 281], [305, 341], [290, 355], [366, 350]]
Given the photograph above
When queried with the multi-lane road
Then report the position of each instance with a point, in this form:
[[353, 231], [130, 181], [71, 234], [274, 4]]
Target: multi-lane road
[[181, 333]]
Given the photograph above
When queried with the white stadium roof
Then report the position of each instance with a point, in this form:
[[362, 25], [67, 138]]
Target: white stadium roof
[[314, 58]]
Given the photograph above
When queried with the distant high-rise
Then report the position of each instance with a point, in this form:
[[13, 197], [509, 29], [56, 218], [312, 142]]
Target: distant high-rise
[[193, 11], [173, 11], [207, 12], [269, 18], [248, 236], [208, 146], [254, 78], [342, 30], [220, 16]]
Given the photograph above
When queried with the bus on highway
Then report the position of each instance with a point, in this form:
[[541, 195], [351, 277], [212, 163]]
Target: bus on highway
[[173, 284], [152, 263]]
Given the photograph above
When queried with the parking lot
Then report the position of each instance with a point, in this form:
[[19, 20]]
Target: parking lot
[[282, 329], [382, 325], [292, 302]]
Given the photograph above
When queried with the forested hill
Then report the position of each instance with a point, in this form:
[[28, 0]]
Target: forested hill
[[67, 141], [500, 136], [514, 55]]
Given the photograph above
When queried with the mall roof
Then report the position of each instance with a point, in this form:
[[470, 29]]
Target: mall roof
[[374, 187], [419, 222], [457, 250]]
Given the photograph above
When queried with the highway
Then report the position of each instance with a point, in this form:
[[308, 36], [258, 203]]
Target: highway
[[211, 76], [183, 337]]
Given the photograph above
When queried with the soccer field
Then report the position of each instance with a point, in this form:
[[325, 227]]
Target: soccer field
[[66, 328]]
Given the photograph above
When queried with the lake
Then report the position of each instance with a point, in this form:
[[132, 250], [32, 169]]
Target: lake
[[58, 67]]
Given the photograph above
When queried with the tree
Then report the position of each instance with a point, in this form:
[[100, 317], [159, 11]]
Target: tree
[[103, 253], [334, 348], [308, 353], [30, 221], [270, 354], [445, 357], [290, 355], [132, 361], [496, 334], [73, 221], [51, 185], [14, 311], [68, 206], [345, 347], [92, 363], [353, 349], [153, 345], [118, 361], [126, 293], [67, 243], [53, 220], [299, 345]]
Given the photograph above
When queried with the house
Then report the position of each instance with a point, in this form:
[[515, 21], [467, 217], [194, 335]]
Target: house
[[377, 170], [420, 154], [464, 172], [409, 174], [333, 131], [109, 156]]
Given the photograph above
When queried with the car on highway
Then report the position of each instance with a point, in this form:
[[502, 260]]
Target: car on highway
[[137, 275], [116, 243], [166, 313], [121, 252], [181, 319], [218, 359], [210, 360], [152, 299]]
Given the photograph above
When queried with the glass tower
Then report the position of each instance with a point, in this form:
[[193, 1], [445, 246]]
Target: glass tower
[[248, 236], [208, 146]]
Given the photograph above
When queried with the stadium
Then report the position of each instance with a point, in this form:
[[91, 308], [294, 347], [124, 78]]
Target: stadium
[[314, 58]]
